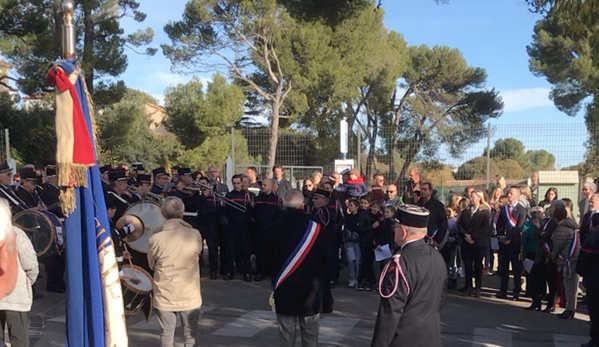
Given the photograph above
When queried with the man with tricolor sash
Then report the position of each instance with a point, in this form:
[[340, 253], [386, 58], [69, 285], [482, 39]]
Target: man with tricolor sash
[[297, 254], [509, 230]]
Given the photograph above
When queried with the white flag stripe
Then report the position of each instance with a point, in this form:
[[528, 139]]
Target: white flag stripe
[[561, 340], [248, 325], [333, 329], [298, 255], [489, 337]]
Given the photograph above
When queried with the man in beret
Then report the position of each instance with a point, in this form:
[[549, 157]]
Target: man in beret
[[104, 170], [118, 193], [413, 286], [322, 214]]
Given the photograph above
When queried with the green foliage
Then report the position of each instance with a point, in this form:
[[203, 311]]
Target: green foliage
[[125, 135], [31, 130], [475, 168], [215, 150], [444, 102], [509, 148], [195, 116], [30, 35]]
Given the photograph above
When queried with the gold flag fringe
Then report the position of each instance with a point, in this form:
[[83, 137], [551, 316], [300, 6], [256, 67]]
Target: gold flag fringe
[[70, 176]]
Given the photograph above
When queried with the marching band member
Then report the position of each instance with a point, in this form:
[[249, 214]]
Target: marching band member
[[118, 194], [104, 176], [6, 190], [26, 191], [238, 230], [161, 179]]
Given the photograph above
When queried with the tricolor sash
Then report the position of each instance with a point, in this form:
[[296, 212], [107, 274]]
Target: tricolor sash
[[572, 249], [298, 255], [510, 219], [434, 233]]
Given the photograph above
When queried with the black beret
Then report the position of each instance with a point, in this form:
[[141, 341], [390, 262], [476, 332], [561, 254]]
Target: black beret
[[143, 178], [105, 168], [412, 215], [117, 175], [159, 172]]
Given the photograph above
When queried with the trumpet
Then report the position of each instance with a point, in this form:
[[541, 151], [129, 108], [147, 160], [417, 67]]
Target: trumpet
[[216, 195]]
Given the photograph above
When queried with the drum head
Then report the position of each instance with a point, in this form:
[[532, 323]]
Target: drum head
[[136, 279], [38, 228], [151, 218]]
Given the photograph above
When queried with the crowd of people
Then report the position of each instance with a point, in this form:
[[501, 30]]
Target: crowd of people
[[354, 226]]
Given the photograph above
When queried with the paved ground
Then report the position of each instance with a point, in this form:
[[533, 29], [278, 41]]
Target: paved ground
[[235, 313]]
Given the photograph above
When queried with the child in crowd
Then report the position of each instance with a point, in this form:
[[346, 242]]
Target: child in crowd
[[355, 186], [351, 240]]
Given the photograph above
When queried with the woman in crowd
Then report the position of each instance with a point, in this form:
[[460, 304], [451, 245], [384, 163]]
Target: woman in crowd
[[316, 177], [530, 244], [308, 190], [566, 246], [476, 234], [526, 193], [550, 195]]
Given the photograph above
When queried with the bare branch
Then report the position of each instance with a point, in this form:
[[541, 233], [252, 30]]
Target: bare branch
[[239, 74]]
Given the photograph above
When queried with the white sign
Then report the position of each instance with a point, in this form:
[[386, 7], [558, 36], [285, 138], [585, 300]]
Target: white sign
[[343, 136], [342, 165]]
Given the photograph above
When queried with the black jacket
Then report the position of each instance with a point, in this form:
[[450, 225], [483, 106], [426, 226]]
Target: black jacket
[[236, 218], [587, 264], [586, 224], [413, 319], [301, 293], [31, 200], [267, 209], [51, 198], [514, 234], [478, 225], [437, 220]]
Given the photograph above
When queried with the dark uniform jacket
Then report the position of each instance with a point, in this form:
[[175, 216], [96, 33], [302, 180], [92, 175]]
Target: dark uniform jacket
[[50, 196], [267, 210], [121, 202], [437, 220], [30, 200], [301, 293], [156, 189], [413, 319], [236, 218], [16, 204], [514, 234]]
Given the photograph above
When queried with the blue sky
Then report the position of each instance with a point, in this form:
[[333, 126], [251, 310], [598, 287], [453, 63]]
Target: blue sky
[[492, 34]]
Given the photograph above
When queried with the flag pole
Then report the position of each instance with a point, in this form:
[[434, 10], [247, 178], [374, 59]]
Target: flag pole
[[68, 30]]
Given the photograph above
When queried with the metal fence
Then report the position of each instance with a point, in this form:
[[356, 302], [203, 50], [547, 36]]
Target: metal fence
[[513, 151]]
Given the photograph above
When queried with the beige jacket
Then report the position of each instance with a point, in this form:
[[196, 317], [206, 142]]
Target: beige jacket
[[21, 298], [173, 254]]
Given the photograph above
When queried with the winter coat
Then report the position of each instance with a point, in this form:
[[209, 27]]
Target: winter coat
[[21, 298]]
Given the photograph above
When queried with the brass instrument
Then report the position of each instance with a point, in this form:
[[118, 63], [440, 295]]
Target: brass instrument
[[148, 196], [221, 197]]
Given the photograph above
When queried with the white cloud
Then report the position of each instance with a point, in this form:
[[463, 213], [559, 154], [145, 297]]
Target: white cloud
[[522, 99]]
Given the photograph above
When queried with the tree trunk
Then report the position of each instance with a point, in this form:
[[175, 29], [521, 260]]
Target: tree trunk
[[274, 136], [412, 151], [88, 48]]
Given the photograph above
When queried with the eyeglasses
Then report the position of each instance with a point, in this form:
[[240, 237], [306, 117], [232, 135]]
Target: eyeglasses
[[309, 185], [391, 191]]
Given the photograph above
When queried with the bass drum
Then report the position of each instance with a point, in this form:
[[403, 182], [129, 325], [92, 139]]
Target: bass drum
[[137, 287], [44, 229], [138, 223]]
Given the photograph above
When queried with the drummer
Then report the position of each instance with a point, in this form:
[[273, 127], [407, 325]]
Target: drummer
[[26, 191], [54, 264]]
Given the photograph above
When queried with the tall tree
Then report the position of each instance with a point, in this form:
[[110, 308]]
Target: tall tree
[[442, 101], [568, 60], [195, 115], [249, 39], [30, 32]]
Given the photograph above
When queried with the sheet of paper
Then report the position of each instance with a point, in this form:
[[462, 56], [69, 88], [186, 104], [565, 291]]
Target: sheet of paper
[[384, 253], [528, 263], [351, 254]]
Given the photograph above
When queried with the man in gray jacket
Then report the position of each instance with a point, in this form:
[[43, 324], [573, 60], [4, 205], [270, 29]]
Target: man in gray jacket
[[15, 307]]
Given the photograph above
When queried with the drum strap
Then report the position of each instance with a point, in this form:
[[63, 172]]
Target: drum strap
[[11, 197], [118, 197]]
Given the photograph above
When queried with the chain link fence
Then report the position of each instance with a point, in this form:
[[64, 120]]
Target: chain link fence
[[511, 151]]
